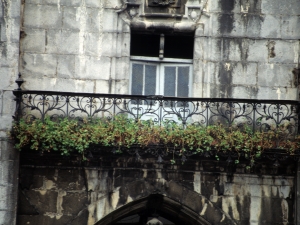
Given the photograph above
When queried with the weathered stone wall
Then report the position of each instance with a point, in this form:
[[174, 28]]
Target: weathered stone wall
[[245, 49], [74, 46], [85, 195], [9, 65], [248, 49]]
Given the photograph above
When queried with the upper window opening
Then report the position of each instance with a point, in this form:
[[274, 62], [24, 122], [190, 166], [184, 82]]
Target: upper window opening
[[175, 46]]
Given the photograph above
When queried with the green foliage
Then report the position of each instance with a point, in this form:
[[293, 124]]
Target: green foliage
[[70, 135]]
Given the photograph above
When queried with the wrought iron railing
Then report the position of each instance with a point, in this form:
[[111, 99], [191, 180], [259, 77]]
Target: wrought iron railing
[[254, 114]]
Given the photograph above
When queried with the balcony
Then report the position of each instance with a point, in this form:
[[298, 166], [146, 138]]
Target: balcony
[[246, 115]]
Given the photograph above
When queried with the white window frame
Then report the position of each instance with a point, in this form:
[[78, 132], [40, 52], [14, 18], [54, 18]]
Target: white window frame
[[161, 63]]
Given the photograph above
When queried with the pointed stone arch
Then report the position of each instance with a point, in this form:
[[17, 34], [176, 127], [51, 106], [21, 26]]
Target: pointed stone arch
[[170, 199]]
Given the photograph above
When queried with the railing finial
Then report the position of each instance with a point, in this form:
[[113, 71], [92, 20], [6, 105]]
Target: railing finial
[[19, 82]]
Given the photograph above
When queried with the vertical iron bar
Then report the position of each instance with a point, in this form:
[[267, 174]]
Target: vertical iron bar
[[67, 102], [91, 99], [254, 117], [207, 106], [277, 120], [43, 114]]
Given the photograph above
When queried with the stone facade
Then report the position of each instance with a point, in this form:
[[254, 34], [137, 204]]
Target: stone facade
[[198, 192], [9, 66], [245, 49], [242, 48]]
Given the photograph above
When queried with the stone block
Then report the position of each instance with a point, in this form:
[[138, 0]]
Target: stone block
[[36, 65], [9, 54], [50, 218], [3, 36], [275, 75], [122, 68], [44, 201], [244, 73], [291, 7], [94, 3], [124, 41], [211, 24], [33, 41], [111, 4], [290, 26], [74, 202], [5, 77], [93, 44], [239, 25], [66, 66], [109, 44], [71, 19], [78, 85], [71, 3], [7, 217], [198, 48], [93, 20], [7, 151], [254, 25], [62, 41], [42, 16], [8, 107], [211, 47], [59, 84], [198, 91], [9, 173], [70, 180], [88, 67], [13, 30], [7, 198], [6, 122], [110, 21], [258, 51], [270, 27], [231, 49], [206, 72], [102, 86], [267, 93], [246, 92], [122, 87], [285, 52]]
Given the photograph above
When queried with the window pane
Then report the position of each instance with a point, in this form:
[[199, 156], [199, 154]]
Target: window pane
[[137, 79], [150, 80], [169, 82], [183, 82]]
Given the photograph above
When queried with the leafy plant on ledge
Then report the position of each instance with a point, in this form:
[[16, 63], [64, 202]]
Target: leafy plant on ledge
[[69, 136]]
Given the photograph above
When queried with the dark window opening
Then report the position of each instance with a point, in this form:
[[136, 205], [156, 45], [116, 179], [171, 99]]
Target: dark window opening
[[144, 45], [179, 47], [175, 46]]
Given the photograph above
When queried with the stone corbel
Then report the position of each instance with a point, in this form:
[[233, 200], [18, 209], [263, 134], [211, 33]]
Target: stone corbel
[[193, 12], [131, 7], [194, 9]]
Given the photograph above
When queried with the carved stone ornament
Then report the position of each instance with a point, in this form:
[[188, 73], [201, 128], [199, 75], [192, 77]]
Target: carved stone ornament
[[154, 221], [164, 3]]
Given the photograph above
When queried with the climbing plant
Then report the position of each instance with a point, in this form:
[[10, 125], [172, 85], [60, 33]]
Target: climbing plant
[[69, 136]]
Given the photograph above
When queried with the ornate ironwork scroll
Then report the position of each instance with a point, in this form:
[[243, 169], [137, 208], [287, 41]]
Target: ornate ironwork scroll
[[251, 114]]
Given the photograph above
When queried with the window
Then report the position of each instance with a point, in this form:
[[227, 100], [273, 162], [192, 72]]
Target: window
[[168, 79], [161, 64]]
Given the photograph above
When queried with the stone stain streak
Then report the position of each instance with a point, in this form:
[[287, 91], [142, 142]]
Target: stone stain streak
[[226, 20]]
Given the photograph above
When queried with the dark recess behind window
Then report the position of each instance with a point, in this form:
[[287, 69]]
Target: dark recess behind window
[[176, 46], [144, 45]]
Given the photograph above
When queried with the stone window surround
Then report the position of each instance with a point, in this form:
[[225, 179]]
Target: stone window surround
[[176, 27]]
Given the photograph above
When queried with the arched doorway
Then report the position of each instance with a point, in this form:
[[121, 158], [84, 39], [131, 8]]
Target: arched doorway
[[168, 211]]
